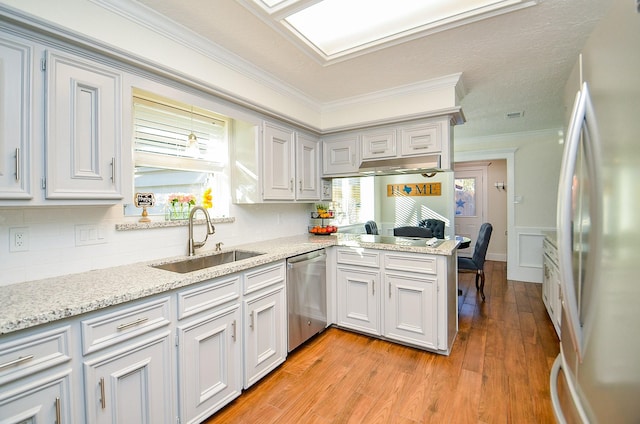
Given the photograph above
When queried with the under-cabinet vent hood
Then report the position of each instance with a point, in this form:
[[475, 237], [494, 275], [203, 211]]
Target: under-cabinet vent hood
[[398, 166]]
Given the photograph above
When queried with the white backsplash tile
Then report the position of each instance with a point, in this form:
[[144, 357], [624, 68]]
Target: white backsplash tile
[[53, 251]]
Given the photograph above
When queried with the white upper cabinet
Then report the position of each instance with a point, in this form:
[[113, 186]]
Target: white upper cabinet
[[274, 164], [16, 85], [83, 129], [379, 144], [307, 168], [423, 138], [341, 154], [278, 163]]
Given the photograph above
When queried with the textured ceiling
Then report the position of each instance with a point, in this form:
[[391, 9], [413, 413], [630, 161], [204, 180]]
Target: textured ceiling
[[519, 61]]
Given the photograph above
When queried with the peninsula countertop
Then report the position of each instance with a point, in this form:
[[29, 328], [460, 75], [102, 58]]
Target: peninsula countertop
[[32, 303]]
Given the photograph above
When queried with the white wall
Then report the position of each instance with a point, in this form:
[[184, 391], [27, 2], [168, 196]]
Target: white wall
[[532, 194]]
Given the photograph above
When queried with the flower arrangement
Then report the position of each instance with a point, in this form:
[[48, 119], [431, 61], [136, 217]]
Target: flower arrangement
[[179, 205], [207, 199]]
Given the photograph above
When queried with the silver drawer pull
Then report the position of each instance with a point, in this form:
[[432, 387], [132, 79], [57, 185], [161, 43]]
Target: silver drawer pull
[[58, 412], [103, 400], [132, 323], [16, 361], [377, 152]]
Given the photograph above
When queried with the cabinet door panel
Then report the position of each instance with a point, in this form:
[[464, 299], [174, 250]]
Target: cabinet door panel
[[421, 139], [359, 300], [39, 401], [307, 168], [340, 155], [411, 309], [132, 385], [265, 334], [16, 61], [278, 163], [83, 129], [210, 367]]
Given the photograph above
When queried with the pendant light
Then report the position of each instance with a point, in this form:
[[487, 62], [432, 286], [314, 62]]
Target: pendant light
[[192, 148]]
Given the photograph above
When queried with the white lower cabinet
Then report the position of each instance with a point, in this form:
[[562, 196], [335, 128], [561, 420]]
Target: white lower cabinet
[[411, 309], [209, 348], [128, 364], [44, 400], [131, 385], [359, 299], [400, 296], [551, 295], [265, 321], [35, 377]]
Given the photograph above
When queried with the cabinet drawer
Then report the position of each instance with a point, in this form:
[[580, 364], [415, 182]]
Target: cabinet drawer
[[208, 296], [37, 351], [358, 256], [421, 139], [111, 328], [264, 276], [424, 264]]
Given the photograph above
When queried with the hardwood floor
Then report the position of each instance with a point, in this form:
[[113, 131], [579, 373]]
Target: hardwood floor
[[498, 370]]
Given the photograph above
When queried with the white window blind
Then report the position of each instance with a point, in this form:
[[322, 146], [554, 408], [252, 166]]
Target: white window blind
[[161, 136]]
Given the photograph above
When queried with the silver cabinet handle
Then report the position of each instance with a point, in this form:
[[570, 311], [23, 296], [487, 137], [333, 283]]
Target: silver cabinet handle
[[251, 322], [113, 169], [17, 361], [132, 323], [103, 400], [233, 330], [373, 287], [377, 152], [420, 147], [17, 164], [58, 414], [389, 290], [300, 186], [291, 185]]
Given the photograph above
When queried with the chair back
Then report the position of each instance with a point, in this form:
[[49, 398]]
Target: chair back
[[482, 244], [435, 225], [371, 227], [412, 232]]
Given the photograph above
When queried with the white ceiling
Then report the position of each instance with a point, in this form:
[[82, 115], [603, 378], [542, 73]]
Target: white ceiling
[[519, 61]]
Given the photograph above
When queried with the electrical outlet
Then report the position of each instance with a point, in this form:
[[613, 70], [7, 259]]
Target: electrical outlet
[[19, 239]]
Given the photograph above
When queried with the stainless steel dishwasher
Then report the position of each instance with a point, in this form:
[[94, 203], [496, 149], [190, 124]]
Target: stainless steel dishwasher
[[306, 296]]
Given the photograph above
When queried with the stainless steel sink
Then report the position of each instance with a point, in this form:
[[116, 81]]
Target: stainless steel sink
[[202, 262]]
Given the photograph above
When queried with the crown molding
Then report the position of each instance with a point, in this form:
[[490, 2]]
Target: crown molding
[[449, 81]]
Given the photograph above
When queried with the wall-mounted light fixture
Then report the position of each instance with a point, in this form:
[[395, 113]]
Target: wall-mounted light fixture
[[500, 186]]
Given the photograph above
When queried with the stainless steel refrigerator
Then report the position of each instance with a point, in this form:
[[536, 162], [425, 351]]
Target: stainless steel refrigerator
[[596, 377]]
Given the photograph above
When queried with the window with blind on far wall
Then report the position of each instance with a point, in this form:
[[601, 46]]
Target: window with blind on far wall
[[353, 200], [179, 148]]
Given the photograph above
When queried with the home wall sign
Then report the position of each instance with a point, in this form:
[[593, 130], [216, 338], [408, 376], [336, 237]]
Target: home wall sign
[[414, 189]]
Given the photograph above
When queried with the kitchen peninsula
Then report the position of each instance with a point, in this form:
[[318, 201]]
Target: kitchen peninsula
[[85, 333]]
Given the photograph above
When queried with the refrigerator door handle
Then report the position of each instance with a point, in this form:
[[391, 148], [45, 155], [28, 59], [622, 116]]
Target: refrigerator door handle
[[564, 216], [555, 399]]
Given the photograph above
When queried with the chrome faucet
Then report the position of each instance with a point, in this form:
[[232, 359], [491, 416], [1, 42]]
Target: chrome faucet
[[210, 230]]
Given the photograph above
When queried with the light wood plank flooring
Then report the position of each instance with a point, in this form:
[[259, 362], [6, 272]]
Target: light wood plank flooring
[[498, 371]]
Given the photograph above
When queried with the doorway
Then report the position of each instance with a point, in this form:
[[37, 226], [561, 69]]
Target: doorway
[[470, 201]]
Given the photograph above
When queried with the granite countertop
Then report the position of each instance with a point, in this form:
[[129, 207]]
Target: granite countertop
[[32, 303]]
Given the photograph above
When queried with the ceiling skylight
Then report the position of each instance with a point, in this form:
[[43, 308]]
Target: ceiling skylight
[[334, 29]]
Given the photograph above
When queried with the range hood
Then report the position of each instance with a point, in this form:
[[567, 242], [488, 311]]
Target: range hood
[[399, 166]]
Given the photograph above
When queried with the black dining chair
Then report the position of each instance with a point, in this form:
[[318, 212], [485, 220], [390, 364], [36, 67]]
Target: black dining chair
[[476, 262], [371, 227], [412, 232], [435, 225]]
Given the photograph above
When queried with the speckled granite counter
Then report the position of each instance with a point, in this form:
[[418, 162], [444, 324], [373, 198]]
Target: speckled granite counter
[[32, 303]]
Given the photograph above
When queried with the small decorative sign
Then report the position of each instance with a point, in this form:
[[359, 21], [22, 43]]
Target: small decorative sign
[[414, 189], [144, 200]]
